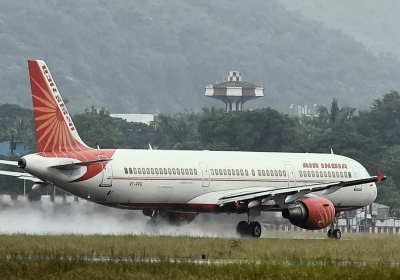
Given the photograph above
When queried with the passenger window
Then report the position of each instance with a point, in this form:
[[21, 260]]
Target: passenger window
[[143, 170], [317, 173], [216, 171], [220, 172], [312, 174], [345, 174], [156, 170], [280, 173], [259, 173], [267, 172], [126, 170], [229, 172], [325, 174], [276, 173], [341, 174], [272, 172], [130, 170], [224, 171], [139, 171], [195, 171], [169, 171], [284, 173], [241, 172], [173, 171], [329, 174], [148, 170], [349, 174], [321, 174], [178, 171], [333, 174], [212, 171], [134, 170], [161, 171], [237, 172], [246, 172], [165, 171], [186, 171], [301, 173], [152, 170], [337, 174], [308, 174], [182, 171], [191, 171], [233, 171], [253, 173], [263, 172]]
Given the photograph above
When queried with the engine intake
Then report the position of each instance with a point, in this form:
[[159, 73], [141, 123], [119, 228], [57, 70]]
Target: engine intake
[[310, 213]]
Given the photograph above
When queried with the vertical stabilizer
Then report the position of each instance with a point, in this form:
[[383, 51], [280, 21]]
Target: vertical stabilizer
[[55, 130]]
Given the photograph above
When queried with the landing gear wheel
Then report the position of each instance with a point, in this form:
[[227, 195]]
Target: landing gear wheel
[[336, 233], [330, 231], [255, 229], [242, 229]]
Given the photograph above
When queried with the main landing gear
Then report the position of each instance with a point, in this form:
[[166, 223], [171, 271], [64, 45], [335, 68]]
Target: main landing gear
[[332, 231], [250, 228]]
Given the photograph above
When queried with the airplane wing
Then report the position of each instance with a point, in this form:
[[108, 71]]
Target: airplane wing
[[21, 175], [293, 193]]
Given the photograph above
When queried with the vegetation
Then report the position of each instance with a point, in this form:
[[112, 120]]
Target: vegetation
[[157, 56], [77, 269], [54, 257]]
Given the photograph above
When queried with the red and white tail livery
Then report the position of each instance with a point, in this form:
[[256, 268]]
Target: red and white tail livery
[[310, 190], [55, 130]]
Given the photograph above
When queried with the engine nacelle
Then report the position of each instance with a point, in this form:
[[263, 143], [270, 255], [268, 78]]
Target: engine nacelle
[[310, 213]]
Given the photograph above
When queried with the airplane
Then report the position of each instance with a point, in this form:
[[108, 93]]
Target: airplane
[[174, 186]]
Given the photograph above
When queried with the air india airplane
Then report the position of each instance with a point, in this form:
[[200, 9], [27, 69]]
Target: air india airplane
[[310, 190]]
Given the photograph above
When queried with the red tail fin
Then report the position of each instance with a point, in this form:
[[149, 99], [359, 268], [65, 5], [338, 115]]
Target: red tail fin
[[55, 130]]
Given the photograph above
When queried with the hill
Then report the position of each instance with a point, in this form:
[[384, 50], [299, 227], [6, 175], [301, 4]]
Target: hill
[[157, 56], [372, 23]]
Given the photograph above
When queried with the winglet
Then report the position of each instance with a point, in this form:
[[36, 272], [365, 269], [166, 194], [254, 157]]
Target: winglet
[[380, 176]]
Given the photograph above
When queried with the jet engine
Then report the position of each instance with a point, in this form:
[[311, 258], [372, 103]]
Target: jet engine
[[310, 213]]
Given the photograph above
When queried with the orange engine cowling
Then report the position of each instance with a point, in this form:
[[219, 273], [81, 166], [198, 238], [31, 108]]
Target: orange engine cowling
[[310, 213]]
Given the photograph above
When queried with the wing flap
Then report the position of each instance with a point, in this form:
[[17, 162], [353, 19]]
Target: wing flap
[[296, 192]]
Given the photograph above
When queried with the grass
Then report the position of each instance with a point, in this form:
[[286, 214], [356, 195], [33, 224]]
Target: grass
[[309, 259], [357, 248], [56, 269]]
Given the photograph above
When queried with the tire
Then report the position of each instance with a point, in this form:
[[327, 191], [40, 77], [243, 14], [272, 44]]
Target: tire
[[255, 229], [242, 229], [337, 234], [330, 233]]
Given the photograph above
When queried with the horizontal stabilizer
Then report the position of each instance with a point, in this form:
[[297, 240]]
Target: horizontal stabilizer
[[80, 163], [9, 162], [20, 175]]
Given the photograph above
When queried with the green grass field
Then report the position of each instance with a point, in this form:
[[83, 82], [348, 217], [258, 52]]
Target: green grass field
[[339, 258]]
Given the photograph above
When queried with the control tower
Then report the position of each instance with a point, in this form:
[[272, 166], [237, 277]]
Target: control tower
[[234, 92]]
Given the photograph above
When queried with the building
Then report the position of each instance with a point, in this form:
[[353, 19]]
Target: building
[[139, 118], [234, 92], [13, 148]]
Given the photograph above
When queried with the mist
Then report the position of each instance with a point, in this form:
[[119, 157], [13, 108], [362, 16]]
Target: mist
[[85, 218]]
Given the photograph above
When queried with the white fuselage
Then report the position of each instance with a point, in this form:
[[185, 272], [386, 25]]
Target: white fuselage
[[204, 178]]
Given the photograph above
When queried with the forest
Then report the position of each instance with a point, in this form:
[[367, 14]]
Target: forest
[[142, 56], [369, 136]]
